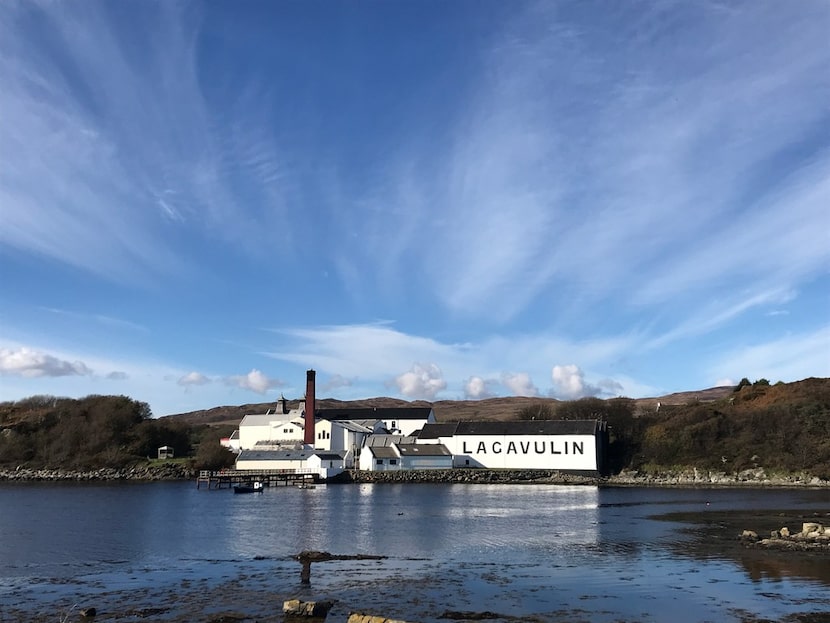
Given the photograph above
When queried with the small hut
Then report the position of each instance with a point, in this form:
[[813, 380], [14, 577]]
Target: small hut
[[166, 452]]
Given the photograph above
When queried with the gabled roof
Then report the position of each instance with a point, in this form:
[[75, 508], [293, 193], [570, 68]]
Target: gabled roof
[[355, 427], [383, 452], [434, 431], [328, 456], [270, 420], [423, 449], [377, 441], [376, 413], [524, 427], [260, 420]]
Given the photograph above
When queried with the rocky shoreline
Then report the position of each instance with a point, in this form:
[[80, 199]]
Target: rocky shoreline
[[146, 473], [691, 477]]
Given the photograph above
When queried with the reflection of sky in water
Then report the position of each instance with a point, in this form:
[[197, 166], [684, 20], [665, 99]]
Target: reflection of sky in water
[[531, 549], [425, 520]]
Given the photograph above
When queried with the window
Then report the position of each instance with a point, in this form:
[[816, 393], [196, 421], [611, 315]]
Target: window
[[394, 424], [379, 462], [393, 461]]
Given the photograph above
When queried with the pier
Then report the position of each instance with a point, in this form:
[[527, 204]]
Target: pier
[[268, 477]]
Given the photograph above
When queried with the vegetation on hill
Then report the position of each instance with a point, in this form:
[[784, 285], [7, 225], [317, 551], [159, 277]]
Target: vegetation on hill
[[782, 427], [95, 432]]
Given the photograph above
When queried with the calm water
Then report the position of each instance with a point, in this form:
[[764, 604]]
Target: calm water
[[553, 552]]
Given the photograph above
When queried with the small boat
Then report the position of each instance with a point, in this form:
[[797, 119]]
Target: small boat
[[256, 487]]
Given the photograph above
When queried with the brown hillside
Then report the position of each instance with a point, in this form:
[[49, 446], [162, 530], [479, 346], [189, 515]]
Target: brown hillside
[[497, 409]]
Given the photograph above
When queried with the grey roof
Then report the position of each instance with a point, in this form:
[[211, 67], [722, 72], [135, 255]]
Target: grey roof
[[329, 456], [355, 427], [434, 431], [423, 449], [387, 440], [383, 452], [375, 413], [524, 427]]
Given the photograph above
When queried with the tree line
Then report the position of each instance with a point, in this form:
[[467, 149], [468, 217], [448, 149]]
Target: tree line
[[781, 427], [99, 431]]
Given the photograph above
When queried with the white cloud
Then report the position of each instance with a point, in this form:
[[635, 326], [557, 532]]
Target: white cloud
[[254, 381], [365, 353], [422, 381], [476, 388], [569, 384], [30, 363], [193, 378], [117, 375], [568, 381], [519, 384]]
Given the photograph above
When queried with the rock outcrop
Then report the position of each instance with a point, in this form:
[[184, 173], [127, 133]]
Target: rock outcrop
[[813, 536]]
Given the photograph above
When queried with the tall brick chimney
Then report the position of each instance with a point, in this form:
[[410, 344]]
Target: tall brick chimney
[[310, 408]]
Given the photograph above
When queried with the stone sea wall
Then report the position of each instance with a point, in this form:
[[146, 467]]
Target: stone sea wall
[[694, 477], [163, 471], [669, 478]]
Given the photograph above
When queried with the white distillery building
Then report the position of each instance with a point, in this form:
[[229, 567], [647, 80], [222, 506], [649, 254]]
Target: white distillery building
[[396, 420], [343, 431], [302, 461], [574, 446], [399, 452]]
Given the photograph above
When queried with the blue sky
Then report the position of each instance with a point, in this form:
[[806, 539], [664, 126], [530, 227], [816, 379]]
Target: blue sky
[[436, 200]]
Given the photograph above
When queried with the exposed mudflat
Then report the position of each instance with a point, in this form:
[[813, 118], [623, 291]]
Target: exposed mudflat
[[716, 534]]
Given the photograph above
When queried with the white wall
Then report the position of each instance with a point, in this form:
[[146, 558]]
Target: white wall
[[270, 464], [407, 427], [426, 462], [565, 452]]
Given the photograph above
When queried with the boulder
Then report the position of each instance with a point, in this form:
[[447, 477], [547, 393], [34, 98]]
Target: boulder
[[784, 532], [749, 535], [808, 527], [357, 617], [297, 608]]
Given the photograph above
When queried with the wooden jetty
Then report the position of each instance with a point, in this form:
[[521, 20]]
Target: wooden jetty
[[268, 477]]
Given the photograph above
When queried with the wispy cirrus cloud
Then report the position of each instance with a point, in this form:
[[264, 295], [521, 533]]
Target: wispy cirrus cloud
[[110, 152], [619, 158], [788, 358]]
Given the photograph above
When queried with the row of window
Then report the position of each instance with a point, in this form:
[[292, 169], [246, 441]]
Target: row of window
[[391, 461]]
